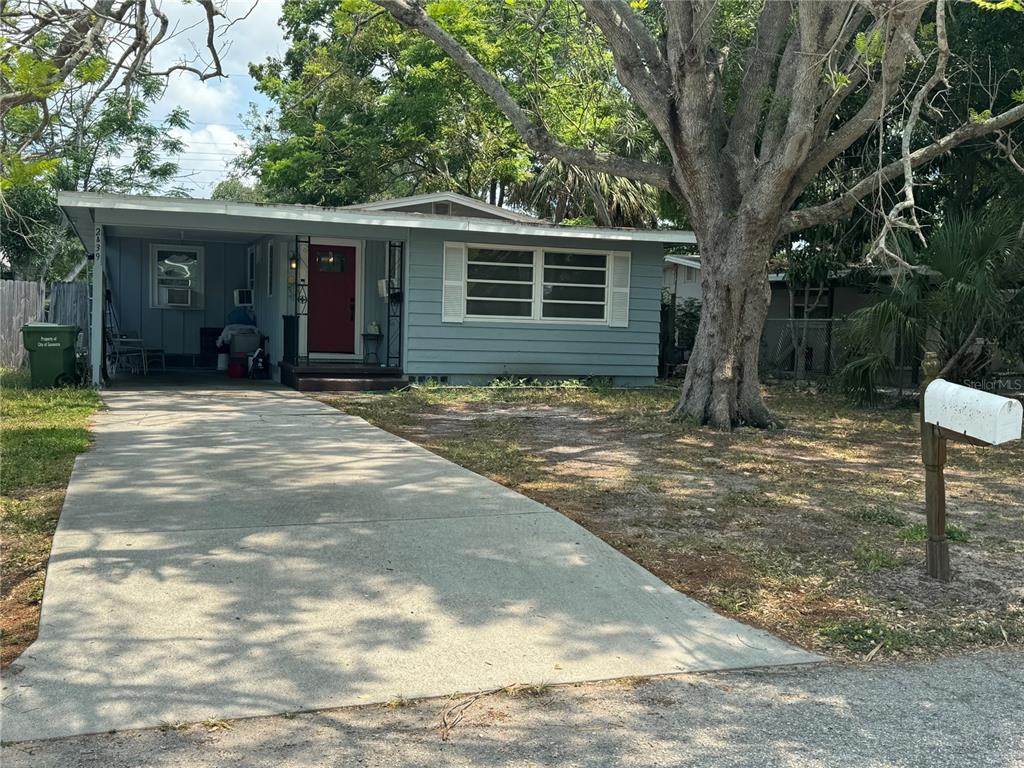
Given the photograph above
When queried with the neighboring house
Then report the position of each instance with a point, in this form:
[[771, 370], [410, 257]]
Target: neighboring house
[[461, 291], [681, 277], [808, 318]]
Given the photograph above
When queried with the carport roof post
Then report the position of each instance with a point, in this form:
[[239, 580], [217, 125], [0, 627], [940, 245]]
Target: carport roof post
[[84, 209]]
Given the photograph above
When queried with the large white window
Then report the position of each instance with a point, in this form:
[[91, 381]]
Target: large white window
[[499, 282], [177, 277], [575, 285], [505, 282]]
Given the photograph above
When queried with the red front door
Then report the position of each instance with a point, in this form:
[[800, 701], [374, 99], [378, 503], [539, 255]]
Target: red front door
[[332, 299]]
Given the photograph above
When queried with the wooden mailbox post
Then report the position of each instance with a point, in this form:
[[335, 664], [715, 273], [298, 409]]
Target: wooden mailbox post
[[952, 412]]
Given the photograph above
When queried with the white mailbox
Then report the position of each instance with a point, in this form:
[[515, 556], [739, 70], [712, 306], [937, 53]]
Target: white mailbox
[[980, 415]]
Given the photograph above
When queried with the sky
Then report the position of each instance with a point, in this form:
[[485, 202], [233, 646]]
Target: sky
[[215, 106]]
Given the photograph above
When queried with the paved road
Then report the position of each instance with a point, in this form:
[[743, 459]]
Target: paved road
[[236, 551], [962, 713]]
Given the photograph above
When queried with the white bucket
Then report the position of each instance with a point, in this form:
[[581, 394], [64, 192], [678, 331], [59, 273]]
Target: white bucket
[[222, 361]]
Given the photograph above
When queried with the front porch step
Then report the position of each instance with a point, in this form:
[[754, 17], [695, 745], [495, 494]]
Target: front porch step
[[340, 377], [340, 370], [347, 384]]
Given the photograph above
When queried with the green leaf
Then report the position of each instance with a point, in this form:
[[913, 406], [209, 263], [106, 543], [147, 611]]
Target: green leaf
[[92, 70], [836, 80], [19, 172], [870, 47], [1000, 5]]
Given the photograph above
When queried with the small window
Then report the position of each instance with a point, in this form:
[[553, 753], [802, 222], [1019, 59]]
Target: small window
[[330, 261], [177, 277], [270, 269], [499, 282], [250, 264], [575, 285], [442, 209]]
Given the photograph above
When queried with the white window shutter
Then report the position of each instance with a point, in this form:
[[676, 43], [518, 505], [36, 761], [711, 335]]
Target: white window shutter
[[453, 291], [618, 293]]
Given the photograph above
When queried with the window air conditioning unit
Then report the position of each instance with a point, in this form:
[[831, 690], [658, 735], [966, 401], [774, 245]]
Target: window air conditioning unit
[[179, 297], [243, 297]]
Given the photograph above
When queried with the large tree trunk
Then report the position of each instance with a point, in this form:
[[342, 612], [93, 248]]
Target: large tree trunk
[[722, 388]]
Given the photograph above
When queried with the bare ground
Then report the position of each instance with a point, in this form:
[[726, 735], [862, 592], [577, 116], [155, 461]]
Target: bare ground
[[813, 531]]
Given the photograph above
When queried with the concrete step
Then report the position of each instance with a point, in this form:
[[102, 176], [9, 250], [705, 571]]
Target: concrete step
[[340, 370], [348, 384]]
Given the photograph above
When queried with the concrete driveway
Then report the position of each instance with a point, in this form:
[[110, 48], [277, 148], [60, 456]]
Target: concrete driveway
[[228, 551]]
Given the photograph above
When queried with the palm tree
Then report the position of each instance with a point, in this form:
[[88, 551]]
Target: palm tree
[[963, 296]]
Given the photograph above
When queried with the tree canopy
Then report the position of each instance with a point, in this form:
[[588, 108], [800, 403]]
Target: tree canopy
[[76, 85], [366, 109]]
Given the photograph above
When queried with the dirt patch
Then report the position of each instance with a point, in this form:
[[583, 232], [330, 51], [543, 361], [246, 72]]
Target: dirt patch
[[812, 532]]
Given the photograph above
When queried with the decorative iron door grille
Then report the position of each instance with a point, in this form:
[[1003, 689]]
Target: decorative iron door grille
[[395, 292]]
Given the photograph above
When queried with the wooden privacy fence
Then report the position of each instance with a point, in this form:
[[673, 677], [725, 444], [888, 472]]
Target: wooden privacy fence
[[20, 302], [23, 302], [69, 305]]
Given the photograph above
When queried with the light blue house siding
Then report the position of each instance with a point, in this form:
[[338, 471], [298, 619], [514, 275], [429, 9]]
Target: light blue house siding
[[225, 268], [176, 331], [477, 351]]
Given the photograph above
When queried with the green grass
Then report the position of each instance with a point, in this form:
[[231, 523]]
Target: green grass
[[863, 636], [881, 515], [873, 559], [41, 432], [919, 532]]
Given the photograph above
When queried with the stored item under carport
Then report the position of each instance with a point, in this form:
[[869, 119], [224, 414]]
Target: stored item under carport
[[237, 366]]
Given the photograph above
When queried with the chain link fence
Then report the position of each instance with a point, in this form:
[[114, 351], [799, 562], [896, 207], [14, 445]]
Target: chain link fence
[[785, 341]]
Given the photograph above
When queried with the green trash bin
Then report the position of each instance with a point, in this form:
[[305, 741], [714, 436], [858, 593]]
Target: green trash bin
[[51, 353]]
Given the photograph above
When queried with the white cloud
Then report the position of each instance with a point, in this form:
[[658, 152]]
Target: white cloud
[[217, 101], [208, 153], [215, 106]]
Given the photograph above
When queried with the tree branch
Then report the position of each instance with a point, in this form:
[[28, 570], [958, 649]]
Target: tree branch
[[771, 30], [893, 67], [638, 61], [536, 136], [842, 206], [908, 202]]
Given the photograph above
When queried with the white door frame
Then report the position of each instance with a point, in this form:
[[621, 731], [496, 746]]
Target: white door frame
[[357, 328]]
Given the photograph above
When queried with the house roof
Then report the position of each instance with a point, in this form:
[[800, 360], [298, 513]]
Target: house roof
[[684, 261], [444, 197], [81, 208]]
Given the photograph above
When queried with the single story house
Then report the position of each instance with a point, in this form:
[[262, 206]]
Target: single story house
[[822, 308], [434, 286], [681, 277]]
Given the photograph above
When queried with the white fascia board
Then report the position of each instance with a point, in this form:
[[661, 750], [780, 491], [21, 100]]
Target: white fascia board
[[449, 197], [300, 213], [683, 261]]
